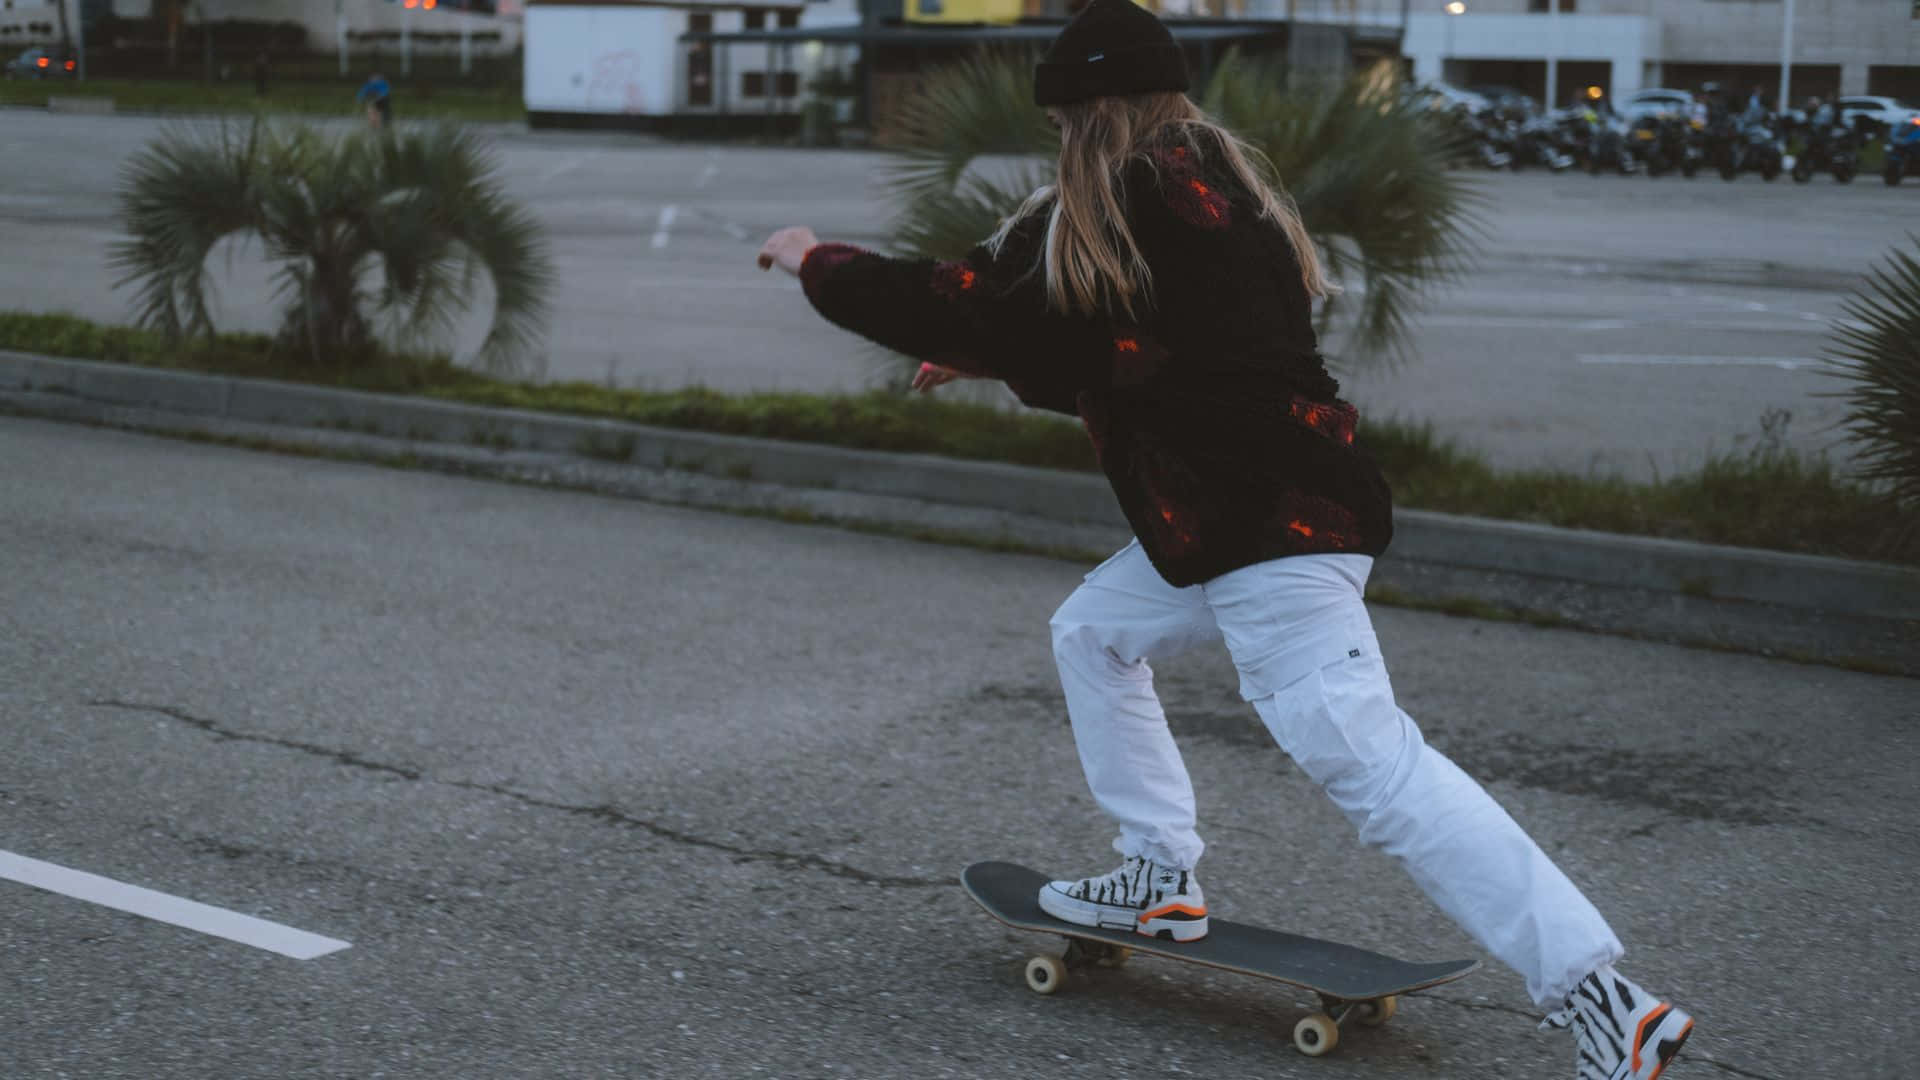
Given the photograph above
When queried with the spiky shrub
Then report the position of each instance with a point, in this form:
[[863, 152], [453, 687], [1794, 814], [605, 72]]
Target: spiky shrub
[[370, 230], [1368, 174], [1878, 352]]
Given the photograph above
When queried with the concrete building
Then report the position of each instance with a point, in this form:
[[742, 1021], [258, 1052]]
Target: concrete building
[[329, 24], [1839, 46], [678, 63]]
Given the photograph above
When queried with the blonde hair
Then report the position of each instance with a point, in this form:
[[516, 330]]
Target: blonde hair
[[1091, 260]]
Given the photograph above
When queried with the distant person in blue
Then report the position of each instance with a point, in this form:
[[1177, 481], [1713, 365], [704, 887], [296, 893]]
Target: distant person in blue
[[379, 98]]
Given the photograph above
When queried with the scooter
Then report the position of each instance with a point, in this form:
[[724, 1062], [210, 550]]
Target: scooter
[[1756, 148], [1903, 151], [1831, 150]]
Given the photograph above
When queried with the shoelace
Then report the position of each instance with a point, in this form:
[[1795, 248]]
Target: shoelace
[[1560, 1021]]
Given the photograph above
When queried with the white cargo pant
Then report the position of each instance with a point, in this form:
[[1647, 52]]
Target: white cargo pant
[[1298, 631]]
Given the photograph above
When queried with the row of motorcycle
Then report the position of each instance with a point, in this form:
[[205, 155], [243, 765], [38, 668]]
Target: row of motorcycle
[[1659, 143]]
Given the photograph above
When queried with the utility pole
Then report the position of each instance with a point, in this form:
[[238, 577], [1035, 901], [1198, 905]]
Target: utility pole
[[1553, 53], [1786, 57], [80, 38], [406, 37], [340, 33]]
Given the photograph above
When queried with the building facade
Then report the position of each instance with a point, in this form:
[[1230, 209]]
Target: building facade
[[646, 63], [1838, 46]]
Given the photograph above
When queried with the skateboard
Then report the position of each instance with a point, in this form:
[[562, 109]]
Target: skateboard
[[1353, 984]]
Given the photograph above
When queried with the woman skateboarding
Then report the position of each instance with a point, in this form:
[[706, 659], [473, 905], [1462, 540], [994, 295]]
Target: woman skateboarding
[[1161, 291]]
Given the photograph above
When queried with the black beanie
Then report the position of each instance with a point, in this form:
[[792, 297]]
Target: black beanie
[[1112, 47]]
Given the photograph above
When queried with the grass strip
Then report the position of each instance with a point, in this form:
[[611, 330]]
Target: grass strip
[[1457, 606], [411, 101], [1770, 498]]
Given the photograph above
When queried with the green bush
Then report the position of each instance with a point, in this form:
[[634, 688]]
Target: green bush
[[1878, 351], [369, 226], [1368, 174]]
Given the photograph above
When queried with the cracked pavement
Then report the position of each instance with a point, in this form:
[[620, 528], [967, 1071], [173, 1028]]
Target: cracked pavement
[[603, 788]]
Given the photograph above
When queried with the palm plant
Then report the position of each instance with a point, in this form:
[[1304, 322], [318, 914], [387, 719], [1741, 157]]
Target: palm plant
[[388, 229], [1368, 174], [1878, 350]]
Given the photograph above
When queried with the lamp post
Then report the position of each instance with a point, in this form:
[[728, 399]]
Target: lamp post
[[1553, 52], [1454, 8], [1786, 56]]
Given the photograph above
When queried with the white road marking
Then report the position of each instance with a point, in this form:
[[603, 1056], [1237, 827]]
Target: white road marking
[[568, 165], [706, 174], [661, 234], [728, 227], [1521, 322], [162, 907], [1784, 363]]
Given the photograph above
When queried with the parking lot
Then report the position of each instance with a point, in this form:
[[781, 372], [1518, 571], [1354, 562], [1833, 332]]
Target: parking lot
[[1615, 324]]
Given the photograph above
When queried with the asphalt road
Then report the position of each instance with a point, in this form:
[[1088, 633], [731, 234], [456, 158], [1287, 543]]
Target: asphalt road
[[603, 788], [1613, 324]]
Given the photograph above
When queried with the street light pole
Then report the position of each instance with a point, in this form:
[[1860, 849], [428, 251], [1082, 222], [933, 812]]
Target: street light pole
[[1553, 52], [1786, 57], [1455, 9]]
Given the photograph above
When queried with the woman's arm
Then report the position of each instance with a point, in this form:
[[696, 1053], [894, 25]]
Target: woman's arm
[[983, 315]]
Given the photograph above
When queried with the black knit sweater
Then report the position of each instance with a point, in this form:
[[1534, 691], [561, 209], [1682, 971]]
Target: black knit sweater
[[1213, 415]]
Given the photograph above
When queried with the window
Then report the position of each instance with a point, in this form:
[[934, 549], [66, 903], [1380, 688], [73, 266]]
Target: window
[[756, 18], [1565, 5], [753, 84], [790, 18], [700, 24], [787, 84]]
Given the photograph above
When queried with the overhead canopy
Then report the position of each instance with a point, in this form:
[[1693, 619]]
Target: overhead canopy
[[1209, 32]]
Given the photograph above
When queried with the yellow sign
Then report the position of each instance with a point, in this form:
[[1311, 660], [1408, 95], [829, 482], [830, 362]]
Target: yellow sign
[[964, 11]]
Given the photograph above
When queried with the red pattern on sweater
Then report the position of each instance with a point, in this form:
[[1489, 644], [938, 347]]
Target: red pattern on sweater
[[1192, 199], [1309, 523], [954, 280], [1336, 421]]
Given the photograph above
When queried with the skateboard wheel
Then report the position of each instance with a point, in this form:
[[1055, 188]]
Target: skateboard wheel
[[1046, 974], [1378, 1011], [1316, 1035]]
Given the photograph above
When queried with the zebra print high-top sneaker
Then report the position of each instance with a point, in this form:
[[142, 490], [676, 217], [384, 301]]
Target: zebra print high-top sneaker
[[1157, 901], [1622, 1032]]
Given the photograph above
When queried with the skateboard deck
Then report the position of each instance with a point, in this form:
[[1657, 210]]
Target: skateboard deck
[[1350, 981]]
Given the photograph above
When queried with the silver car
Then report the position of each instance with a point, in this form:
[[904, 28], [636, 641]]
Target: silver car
[[1875, 114]]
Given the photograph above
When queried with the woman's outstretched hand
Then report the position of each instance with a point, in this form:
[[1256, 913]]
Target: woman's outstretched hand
[[932, 375], [787, 249]]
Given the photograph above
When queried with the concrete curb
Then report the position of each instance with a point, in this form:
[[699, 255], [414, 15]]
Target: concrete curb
[[979, 499]]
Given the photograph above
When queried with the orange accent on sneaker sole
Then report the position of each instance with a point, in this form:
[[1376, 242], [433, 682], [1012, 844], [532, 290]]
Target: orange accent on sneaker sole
[[1198, 913], [1677, 1044], [1640, 1031]]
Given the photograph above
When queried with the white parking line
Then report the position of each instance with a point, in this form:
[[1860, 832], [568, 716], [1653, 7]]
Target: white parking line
[[707, 173], [1784, 363], [661, 233], [567, 165], [162, 907]]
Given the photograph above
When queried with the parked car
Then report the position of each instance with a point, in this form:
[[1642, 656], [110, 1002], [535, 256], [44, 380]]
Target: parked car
[[1874, 115], [1441, 96], [1654, 101], [39, 63], [1507, 99]]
